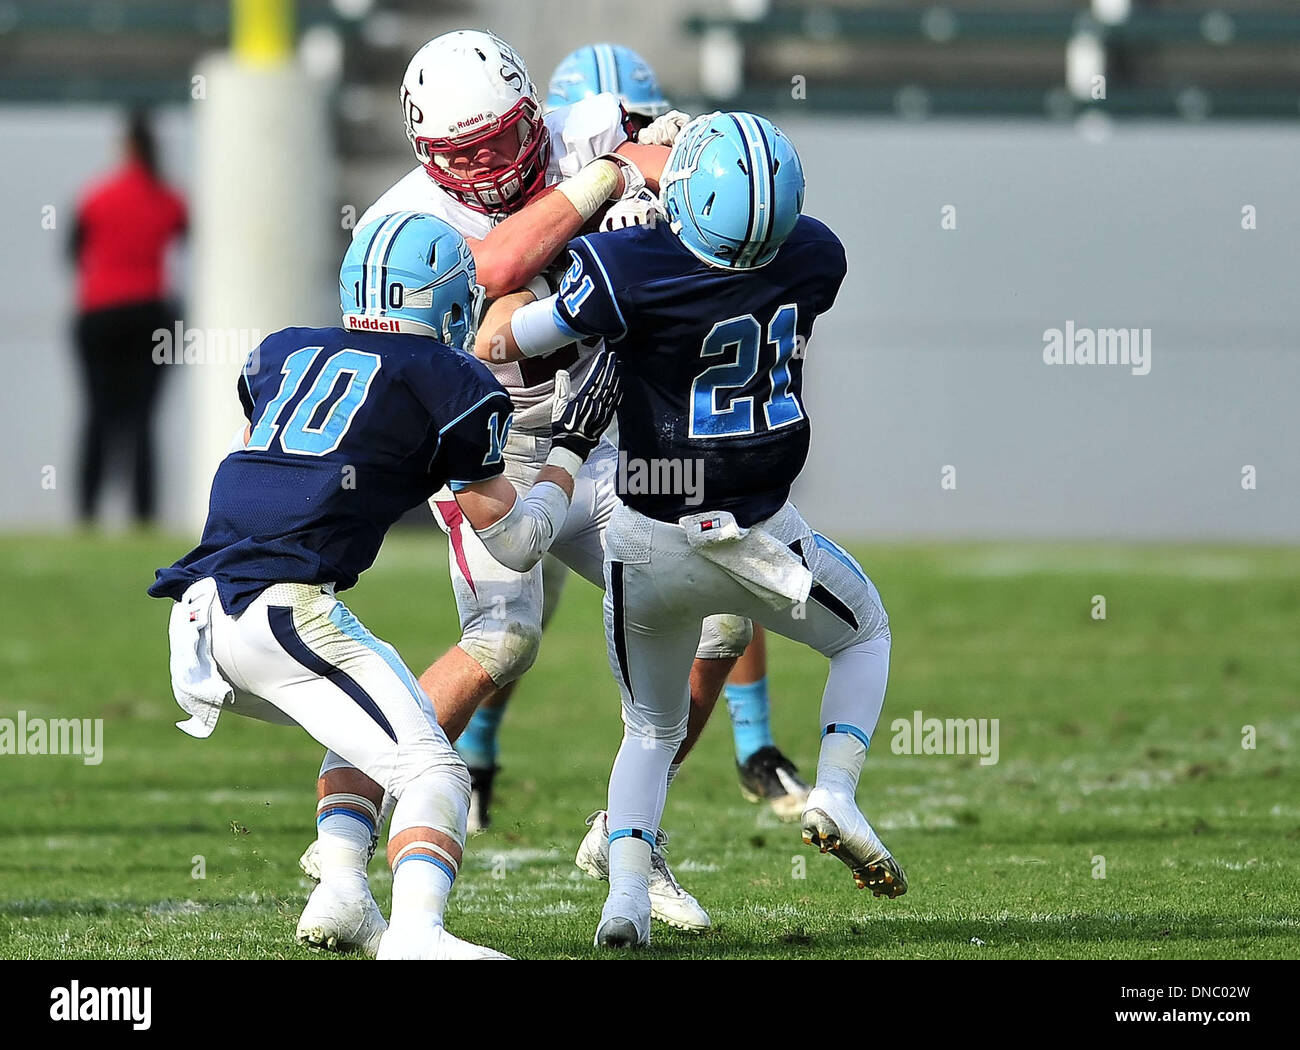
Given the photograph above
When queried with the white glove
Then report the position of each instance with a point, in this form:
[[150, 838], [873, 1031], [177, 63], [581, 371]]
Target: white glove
[[641, 210], [662, 131]]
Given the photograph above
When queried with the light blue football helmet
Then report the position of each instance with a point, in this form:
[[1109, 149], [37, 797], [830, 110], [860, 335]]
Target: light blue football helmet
[[410, 272], [607, 67], [732, 189]]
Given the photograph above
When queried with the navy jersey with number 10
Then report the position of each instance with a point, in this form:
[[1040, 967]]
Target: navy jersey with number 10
[[712, 361], [350, 430]]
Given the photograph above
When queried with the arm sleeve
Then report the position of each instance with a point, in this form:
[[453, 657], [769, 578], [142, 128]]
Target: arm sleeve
[[471, 446], [586, 303], [538, 328], [520, 538]]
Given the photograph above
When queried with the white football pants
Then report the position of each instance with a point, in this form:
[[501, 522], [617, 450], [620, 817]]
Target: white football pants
[[657, 590], [298, 656]]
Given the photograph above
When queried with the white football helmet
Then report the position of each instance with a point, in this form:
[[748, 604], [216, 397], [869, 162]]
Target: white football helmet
[[461, 90]]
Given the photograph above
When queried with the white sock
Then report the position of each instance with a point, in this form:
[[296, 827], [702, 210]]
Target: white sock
[[421, 887], [629, 866], [839, 763], [855, 693], [638, 783], [855, 686], [343, 842], [672, 772]]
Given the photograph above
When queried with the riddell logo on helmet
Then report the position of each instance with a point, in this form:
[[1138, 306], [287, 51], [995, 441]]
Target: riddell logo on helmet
[[469, 122], [372, 324]]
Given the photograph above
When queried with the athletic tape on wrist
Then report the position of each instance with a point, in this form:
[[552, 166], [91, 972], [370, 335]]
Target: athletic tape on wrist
[[566, 459], [591, 187]]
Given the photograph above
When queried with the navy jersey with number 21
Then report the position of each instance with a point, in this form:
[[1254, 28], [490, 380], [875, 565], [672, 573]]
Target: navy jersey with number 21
[[349, 431], [711, 359]]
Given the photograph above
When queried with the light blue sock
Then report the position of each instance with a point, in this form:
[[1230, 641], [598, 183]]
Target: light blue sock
[[750, 725], [478, 744]]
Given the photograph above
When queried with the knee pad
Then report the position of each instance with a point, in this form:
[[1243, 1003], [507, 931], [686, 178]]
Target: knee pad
[[653, 729], [505, 651], [435, 796], [724, 637]]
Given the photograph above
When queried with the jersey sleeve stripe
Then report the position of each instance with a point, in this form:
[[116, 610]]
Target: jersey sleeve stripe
[[477, 404], [564, 325], [609, 289]]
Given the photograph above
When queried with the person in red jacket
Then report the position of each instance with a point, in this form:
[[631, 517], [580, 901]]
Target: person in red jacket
[[124, 225]]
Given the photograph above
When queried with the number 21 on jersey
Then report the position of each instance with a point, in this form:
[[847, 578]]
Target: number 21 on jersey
[[736, 417]]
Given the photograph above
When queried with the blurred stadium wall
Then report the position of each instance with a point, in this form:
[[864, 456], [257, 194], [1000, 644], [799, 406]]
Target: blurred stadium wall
[[967, 240]]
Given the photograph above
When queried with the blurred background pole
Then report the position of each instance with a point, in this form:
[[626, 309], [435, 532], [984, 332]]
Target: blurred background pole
[[261, 31], [265, 227]]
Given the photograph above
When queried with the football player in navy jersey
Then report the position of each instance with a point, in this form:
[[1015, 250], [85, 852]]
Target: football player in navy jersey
[[766, 774], [710, 312], [349, 428]]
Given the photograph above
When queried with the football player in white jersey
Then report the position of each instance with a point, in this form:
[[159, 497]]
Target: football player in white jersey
[[766, 774], [518, 185]]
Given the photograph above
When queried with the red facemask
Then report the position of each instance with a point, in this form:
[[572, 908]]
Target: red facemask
[[504, 189]]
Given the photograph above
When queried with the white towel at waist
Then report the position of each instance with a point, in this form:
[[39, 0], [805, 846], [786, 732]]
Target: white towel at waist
[[755, 559], [197, 682]]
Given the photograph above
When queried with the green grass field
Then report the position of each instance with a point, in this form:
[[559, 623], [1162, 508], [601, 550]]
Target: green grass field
[[1119, 738]]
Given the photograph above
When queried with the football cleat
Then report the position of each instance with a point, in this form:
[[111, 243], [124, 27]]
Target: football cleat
[[769, 775], [480, 798], [624, 923], [834, 824], [430, 940], [669, 903], [341, 924]]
